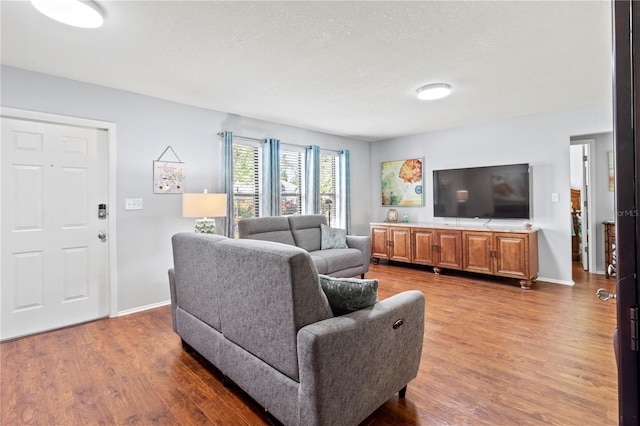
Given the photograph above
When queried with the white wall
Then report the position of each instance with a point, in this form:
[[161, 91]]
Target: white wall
[[541, 140], [145, 126]]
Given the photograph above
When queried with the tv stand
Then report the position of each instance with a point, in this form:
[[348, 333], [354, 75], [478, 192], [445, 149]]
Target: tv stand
[[506, 252]]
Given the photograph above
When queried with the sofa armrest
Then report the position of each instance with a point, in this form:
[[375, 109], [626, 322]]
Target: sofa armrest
[[363, 356], [362, 243]]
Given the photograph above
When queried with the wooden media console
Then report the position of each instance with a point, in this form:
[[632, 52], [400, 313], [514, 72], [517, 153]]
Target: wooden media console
[[504, 252]]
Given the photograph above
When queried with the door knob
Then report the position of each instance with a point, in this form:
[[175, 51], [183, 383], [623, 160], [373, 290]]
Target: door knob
[[102, 235], [605, 295]]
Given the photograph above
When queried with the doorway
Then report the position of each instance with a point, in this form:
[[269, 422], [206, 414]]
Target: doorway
[[592, 198], [54, 222], [581, 224]]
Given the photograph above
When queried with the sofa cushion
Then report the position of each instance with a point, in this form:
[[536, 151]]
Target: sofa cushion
[[330, 261], [306, 230], [349, 294], [271, 228], [332, 238]]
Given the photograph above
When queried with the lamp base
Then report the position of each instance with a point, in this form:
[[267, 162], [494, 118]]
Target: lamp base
[[206, 226]]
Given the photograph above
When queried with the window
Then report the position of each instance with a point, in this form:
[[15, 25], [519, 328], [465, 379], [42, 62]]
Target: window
[[328, 188], [291, 180], [246, 182]]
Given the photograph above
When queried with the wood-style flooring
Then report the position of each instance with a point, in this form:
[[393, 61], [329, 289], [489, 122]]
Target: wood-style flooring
[[493, 355]]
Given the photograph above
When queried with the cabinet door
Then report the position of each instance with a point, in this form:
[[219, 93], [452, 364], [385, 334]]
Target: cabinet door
[[512, 254], [477, 252], [400, 247], [380, 242], [423, 243], [449, 249]]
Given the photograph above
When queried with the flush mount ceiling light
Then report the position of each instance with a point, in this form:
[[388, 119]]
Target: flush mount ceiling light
[[78, 13], [434, 91]]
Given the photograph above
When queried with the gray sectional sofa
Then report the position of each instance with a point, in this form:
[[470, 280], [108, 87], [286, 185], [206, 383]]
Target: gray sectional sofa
[[256, 311], [304, 231]]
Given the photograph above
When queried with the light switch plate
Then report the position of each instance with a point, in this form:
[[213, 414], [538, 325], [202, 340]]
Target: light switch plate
[[133, 203], [554, 197]]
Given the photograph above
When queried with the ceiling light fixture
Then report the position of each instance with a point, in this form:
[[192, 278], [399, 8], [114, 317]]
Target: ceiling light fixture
[[78, 13], [434, 91]]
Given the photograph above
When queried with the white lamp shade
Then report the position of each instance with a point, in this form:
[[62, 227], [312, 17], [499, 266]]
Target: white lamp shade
[[78, 13], [204, 205]]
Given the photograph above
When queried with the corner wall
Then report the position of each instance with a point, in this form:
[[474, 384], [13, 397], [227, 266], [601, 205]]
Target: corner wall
[[541, 140], [145, 127]]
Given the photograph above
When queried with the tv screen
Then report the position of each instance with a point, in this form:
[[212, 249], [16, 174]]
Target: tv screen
[[494, 192]]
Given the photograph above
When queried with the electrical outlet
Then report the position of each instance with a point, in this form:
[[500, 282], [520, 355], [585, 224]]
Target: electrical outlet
[[133, 203]]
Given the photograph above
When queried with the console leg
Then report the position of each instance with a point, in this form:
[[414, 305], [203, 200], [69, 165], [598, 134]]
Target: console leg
[[403, 392], [525, 284]]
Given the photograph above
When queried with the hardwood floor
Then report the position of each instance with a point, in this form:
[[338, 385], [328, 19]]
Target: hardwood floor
[[493, 355]]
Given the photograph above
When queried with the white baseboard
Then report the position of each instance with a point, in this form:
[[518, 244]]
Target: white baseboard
[[143, 308], [554, 281]]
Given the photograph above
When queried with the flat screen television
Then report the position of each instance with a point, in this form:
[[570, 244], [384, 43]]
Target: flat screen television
[[493, 192]]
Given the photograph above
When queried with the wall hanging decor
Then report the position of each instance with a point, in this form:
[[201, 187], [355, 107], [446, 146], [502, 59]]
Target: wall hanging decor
[[402, 183], [168, 176]]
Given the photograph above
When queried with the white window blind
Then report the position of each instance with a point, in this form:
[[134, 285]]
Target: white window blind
[[291, 180], [246, 182], [328, 188]]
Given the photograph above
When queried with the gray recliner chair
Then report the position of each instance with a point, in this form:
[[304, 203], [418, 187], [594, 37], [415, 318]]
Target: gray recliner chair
[[256, 310]]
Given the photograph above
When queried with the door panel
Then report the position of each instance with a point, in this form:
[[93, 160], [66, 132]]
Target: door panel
[[400, 249], [477, 252], [512, 255], [449, 249], [54, 267], [423, 246]]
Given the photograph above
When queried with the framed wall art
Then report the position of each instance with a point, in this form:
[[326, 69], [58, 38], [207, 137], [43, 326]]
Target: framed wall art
[[401, 183], [168, 176]]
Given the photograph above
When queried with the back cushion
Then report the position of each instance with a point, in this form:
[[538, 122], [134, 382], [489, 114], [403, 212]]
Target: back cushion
[[194, 268], [269, 292], [272, 228], [306, 230]]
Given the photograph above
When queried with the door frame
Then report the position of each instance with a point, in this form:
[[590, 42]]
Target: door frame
[[626, 116], [110, 128]]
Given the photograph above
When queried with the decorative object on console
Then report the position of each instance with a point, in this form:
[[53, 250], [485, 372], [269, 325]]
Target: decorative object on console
[[205, 206], [401, 183], [392, 215]]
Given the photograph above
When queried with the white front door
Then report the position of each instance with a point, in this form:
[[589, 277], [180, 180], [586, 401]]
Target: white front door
[[54, 265]]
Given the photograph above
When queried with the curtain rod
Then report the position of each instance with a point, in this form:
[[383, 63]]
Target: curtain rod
[[261, 140]]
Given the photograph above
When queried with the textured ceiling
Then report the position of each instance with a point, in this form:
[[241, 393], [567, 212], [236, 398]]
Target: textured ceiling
[[345, 68]]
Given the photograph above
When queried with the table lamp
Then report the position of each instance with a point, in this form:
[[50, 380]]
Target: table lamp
[[204, 206]]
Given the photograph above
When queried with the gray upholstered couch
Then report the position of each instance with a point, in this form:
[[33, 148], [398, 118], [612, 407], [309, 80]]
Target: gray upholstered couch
[[256, 310], [304, 232]]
